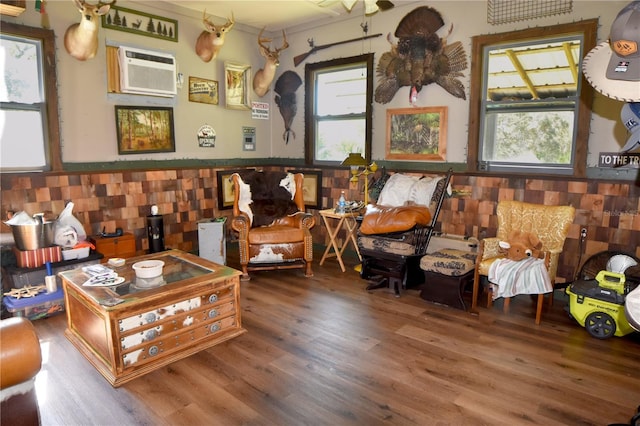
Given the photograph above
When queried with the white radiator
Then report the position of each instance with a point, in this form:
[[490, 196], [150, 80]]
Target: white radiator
[[450, 241]]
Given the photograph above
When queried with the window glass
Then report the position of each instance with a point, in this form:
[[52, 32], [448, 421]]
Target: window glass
[[338, 109], [529, 107], [29, 128]]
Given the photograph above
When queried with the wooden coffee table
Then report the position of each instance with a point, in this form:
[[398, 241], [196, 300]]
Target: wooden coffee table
[[136, 327]]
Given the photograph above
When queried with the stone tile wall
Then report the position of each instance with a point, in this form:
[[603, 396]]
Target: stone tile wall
[[610, 211]]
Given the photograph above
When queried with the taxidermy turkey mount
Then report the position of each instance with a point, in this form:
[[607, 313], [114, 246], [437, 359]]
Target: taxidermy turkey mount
[[420, 57]]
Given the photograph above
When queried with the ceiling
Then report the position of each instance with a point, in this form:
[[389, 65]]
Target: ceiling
[[275, 15]]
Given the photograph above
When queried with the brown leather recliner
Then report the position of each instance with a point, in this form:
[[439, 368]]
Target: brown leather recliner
[[273, 227], [20, 361]]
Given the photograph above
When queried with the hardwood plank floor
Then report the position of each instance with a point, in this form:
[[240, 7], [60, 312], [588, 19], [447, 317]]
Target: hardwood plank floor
[[324, 351]]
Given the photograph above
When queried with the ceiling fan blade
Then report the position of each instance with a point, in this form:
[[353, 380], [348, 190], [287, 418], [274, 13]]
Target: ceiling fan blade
[[384, 4]]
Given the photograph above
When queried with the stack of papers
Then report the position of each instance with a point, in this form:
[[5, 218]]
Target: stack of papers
[[101, 276]]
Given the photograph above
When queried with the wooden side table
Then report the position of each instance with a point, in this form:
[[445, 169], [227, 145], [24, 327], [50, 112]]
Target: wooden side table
[[345, 220]]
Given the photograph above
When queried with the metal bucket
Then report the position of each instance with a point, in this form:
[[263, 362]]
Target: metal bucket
[[33, 236]]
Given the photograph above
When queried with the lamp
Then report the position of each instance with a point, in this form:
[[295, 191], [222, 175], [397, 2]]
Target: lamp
[[355, 161]]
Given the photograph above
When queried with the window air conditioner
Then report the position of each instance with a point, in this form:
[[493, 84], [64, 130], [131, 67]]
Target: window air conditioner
[[146, 72]]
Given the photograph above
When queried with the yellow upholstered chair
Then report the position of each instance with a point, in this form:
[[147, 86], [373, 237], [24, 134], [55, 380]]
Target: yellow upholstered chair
[[549, 223], [273, 227]]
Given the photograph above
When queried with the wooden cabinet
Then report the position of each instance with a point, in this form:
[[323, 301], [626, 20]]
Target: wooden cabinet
[[195, 305], [123, 246]]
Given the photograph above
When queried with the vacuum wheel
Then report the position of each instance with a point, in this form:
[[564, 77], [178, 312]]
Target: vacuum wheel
[[600, 325]]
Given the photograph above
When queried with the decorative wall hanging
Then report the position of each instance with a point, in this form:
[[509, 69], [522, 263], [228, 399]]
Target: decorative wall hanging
[[311, 188], [427, 57], [206, 137], [286, 87], [211, 40], [81, 39], [203, 91], [144, 129], [417, 134], [237, 78], [263, 78], [507, 11], [141, 23]]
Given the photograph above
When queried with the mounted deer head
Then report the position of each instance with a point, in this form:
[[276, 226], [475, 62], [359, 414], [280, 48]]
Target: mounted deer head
[[211, 40], [263, 78], [81, 39]]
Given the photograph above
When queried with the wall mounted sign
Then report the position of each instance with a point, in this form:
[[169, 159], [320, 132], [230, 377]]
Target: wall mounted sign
[[141, 23], [203, 91], [619, 159], [260, 110], [206, 137]]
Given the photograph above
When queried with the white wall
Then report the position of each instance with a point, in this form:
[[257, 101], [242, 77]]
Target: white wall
[[87, 111]]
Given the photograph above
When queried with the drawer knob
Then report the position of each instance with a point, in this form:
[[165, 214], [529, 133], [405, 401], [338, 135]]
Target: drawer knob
[[150, 334], [150, 317], [213, 298], [153, 350], [213, 313], [214, 327]]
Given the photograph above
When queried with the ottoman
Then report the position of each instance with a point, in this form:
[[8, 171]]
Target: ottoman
[[446, 274]]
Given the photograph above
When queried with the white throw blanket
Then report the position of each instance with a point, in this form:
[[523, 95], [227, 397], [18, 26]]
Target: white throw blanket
[[510, 278]]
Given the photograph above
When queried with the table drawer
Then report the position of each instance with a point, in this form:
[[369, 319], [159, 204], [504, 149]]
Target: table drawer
[[177, 323], [173, 343], [152, 316]]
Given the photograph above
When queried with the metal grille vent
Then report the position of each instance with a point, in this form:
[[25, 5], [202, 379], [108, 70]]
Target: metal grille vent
[[507, 11]]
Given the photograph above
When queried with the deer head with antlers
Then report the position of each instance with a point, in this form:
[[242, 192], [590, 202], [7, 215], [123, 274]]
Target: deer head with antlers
[[263, 78], [81, 39], [211, 40]]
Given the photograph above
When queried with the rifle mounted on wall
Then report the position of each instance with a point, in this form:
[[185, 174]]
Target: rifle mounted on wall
[[298, 59]]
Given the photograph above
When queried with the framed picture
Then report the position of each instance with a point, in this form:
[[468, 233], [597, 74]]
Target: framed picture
[[225, 188], [141, 23], [203, 91], [237, 81], [311, 187], [417, 133], [144, 129]]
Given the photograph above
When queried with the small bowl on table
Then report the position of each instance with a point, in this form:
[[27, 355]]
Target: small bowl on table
[[148, 268]]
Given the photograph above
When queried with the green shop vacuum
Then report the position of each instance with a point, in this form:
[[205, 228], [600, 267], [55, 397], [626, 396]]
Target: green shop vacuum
[[608, 304]]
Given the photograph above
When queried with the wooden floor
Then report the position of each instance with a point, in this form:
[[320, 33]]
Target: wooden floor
[[324, 351]]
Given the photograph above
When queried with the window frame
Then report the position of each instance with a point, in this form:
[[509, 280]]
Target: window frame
[[48, 59], [310, 103], [588, 30]]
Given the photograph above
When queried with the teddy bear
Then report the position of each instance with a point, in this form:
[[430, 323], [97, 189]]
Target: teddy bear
[[522, 245]]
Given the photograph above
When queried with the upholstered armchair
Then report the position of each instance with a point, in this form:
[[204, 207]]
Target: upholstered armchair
[[20, 362], [549, 223], [395, 232], [272, 225]]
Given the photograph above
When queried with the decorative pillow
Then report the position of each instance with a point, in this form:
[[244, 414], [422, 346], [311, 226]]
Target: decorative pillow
[[396, 191], [421, 192]]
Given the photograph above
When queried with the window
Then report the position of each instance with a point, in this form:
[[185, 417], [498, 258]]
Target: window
[[338, 114], [530, 106], [28, 100]]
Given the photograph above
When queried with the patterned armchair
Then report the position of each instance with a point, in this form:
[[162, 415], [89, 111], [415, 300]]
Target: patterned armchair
[[549, 223], [395, 232], [273, 228]]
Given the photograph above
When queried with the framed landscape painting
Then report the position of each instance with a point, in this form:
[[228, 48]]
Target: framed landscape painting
[[417, 134], [144, 129]]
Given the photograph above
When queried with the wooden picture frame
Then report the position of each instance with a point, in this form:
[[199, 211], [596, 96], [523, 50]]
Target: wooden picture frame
[[144, 129], [237, 82], [141, 23], [225, 188], [311, 187], [203, 91], [417, 133]]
